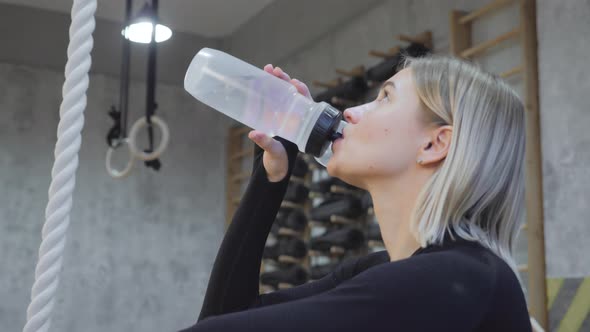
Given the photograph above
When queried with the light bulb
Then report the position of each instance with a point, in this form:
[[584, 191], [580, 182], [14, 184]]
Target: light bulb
[[141, 32]]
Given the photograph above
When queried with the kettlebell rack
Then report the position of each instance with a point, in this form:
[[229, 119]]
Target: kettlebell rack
[[361, 83]]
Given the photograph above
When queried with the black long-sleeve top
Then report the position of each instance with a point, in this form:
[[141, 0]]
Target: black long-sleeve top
[[459, 286]]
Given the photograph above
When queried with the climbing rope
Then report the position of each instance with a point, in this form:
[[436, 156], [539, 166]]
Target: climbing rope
[[57, 213]]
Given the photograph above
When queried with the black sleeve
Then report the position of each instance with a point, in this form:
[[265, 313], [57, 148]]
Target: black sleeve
[[426, 293], [234, 280], [345, 271], [233, 283]]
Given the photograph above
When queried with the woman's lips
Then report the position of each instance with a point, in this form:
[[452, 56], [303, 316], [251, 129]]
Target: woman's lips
[[336, 142]]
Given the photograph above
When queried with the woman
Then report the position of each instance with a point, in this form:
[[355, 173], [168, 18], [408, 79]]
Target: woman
[[441, 152]]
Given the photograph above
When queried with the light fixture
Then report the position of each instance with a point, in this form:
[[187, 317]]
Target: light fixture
[[140, 28]]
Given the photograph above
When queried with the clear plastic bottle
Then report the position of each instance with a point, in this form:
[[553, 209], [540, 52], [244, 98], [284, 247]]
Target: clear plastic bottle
[[262, 101]]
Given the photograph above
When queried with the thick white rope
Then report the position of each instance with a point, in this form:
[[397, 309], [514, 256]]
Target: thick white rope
[[57, 213]]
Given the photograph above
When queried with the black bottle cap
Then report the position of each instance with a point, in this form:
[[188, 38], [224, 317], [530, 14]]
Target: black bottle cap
[[324, 131]]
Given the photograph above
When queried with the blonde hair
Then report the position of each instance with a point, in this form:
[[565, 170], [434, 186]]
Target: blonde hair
[[478, 190]]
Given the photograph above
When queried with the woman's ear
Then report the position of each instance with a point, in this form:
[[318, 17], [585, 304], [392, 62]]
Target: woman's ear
[[436, 148]]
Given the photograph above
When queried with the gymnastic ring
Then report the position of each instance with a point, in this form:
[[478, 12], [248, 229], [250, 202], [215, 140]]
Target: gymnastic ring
[[139, 124], [117, 174]]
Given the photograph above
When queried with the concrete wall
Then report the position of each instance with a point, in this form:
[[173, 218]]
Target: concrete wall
[[40, 38], [285, 27], [562, 32], [139, 250], [563, 92]]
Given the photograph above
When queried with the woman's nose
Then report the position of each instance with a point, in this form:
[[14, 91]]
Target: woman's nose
[[352, 115]]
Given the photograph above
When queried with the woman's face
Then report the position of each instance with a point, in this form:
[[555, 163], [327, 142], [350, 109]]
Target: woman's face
[[382, 138]]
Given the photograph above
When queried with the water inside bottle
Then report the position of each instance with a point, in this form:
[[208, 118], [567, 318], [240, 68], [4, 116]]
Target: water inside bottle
[[258, 101]]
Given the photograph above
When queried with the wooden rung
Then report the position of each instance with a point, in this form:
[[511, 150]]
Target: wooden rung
[[343, 102], [511, 72], [284, 285], [289, 259], [490, 43], [394, 50], [237, 131], [523, 268], [337, 250], [291, 205], [484, 10], [241, 154], [331, 84], [424, 38], [341, 190], [341, 220], [380, 54], [241, 176], [289, 232], [357, 71]]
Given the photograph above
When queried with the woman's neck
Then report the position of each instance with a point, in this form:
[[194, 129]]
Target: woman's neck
[[393, 204]]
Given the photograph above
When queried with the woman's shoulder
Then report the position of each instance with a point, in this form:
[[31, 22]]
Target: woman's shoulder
[[468, 268], [355, 265], [465, 278]]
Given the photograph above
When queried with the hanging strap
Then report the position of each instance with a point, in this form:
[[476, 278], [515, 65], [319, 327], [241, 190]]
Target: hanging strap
[[118, 131], [151, 91]]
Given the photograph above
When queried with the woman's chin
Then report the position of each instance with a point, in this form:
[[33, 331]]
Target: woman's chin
[[336, 168], [332, 167]]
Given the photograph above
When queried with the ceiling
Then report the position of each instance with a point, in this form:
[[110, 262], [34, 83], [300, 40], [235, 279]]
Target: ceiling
[[208, 18]]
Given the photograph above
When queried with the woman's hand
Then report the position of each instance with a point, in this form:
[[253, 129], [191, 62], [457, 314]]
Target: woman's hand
[[275, 159]]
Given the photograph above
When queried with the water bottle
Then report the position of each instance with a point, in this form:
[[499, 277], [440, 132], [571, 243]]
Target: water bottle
[[263, 102]]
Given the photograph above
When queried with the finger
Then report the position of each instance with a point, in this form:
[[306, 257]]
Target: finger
[[269, 69], [301, 87], [281, 74], [264, 141]]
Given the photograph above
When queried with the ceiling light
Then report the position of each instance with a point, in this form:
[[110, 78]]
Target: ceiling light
[[141, 27]]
